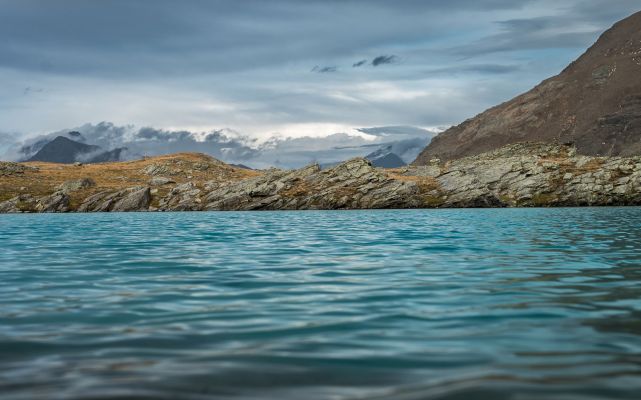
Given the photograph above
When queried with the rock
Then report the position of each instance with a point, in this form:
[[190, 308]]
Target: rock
[[184, 187], [137, 200], [534, 175], [130, 199], [201, 166], [212, 185], [160, 181], [12, 168], [77, 164], [157, 169], [173, 167], [184, 197], [353, 184], [56, 202], [18, 204], [523, 175], [74, 185]]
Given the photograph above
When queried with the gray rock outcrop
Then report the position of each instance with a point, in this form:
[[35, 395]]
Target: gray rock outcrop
[[55, 202], [77, 184], [130, 199], [160, 181], [12, 168], [184, 197], [353, 184], [518, 175], [534, 175]]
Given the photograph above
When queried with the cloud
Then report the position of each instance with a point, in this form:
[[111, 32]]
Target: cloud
[[199, 65], [407, 131], [549, 32], [233, 147], [145, 141], [382, 60], [575, 28], [483, 69], [324, 70], [30, 90], [7, 142]]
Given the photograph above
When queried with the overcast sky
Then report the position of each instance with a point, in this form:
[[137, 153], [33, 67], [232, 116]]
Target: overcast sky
[[293, 67]]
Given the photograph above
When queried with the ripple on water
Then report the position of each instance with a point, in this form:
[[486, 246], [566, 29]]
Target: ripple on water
[[367, 304]]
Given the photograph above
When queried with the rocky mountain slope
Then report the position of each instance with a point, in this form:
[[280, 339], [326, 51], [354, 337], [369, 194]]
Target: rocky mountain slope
[[66, 151], [526, 174], [595, 103]]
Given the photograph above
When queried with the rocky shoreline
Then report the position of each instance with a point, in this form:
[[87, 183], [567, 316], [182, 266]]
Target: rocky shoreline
[[518, 175]]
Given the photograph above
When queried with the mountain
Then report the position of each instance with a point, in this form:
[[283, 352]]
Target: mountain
[[385, 158], [594, 104], [63, 150], [241, 166], [66, 151]]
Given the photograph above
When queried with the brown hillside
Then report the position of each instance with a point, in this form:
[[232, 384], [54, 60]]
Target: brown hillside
[[41, 178], [594, 103]]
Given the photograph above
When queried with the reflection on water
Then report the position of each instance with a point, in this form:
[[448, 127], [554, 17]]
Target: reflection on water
[[443, 304]]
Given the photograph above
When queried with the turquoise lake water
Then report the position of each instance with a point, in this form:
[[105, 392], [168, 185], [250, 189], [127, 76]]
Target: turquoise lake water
[[434, 304]]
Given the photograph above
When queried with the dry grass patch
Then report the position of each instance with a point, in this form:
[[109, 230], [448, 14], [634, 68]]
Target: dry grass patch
[[114, 176]]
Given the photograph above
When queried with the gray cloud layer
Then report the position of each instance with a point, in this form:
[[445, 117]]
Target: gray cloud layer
[[196, 65]]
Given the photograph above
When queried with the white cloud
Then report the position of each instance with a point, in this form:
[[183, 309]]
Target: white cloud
[[312, 143]]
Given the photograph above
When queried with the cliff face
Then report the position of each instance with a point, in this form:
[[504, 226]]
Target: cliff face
[[534, 175], [595, 103], [527, 175]]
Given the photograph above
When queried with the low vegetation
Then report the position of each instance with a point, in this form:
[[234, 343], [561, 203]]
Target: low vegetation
[[40, 178]]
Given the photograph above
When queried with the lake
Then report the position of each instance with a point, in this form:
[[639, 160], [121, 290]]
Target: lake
[[421, 304]]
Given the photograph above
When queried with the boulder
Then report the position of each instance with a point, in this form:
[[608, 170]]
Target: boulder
[[12, 168], [183, 197], [160, 181], [77, 184], [56, 202], [131, 199], [18, 204], [136, 200], [157, 169]]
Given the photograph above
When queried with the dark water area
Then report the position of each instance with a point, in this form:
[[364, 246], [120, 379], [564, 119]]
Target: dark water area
[[433, 304]]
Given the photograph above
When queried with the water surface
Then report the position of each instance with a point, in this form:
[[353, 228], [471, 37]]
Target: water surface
[[440, 304]]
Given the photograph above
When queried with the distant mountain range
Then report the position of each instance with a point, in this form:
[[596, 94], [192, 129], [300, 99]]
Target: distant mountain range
[[388, 147], [66, 151], [385, 158], [594, 104]]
